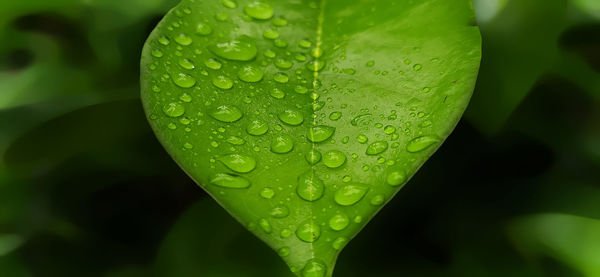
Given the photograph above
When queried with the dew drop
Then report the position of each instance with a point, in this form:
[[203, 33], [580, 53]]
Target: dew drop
[[308, 231], [282, 144], [339, 222], [377, 200], [270, 34], [421, 143], [396, 178], [334, 158], [283, 63], [335, 116], [301, 89], [226, 113], [350, 194], [291, 117], [315, 65], [362, 139], [280, 21], [277, 93], [284, 251], [186, 64], [236, 140], [238, 163], [265, 225], [164, 40], [183, 39], [417, 67], [257, 127], [313, 157], [222, 82], [229, 181], [281, 77], [280, 211], [314, 268], [377, 147], [203, 29], [320, 133], [174, 109], [229, 4], [212, 64], [339, 243], [259, 10], [310, 187], [250, 74], [183, 80], [157, 53], [389, 129], [267, 193], [242, 48]]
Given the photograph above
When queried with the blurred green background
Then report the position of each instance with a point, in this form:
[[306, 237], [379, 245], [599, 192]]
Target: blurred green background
[[86, 190]]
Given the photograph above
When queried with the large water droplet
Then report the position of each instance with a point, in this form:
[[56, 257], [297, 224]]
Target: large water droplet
[[334, 158], [350, 194], [314, 268], [308, 231], [242, 48], [229, 181], [320, 133], [339, 222], [239, 163], [226, 113], [421, 143], [186, 64], [257, 127], [310, 187], [259, 10], [377, 147], [282, 144], [183, 80], [292, 117], [250, 74]]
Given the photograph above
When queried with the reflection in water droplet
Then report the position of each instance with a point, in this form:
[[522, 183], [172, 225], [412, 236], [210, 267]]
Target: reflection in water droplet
[[239, 163], [229, 181], [350, 194], [308, 231], [310, 187], [421, 143]]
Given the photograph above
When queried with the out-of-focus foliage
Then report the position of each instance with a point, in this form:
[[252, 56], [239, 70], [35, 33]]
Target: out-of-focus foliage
[[85, 190]]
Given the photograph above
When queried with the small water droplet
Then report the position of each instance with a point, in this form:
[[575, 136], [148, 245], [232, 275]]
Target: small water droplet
[[285, 233], [226, 113], [339, 222], [157, 53], [283, 63], [281, 77], [183, 39], [277, 93], [203, 29], [389, 129], [280, 211], [362, 139], [229, 4], [242, 48], [377, 200], [310, 187], [284, 251], [250, 74], [339, 243], [186, 64], [265, 225], [334, 158], [222, 82], [370, 63], [377, 147], [315, 65], [164, 40], [313, 157], [282, 144], [236, 140], [335, 116], [183, 80], [257, 127], [292, 117], [314, 268], [213, 63], [396, 178], [270, 34], [350, 194], [417, 67], [305, 43], [280, 21], [320, 133], [238, 163], [300, 89]]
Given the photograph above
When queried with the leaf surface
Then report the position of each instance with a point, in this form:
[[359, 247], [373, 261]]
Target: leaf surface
[[303, 118]]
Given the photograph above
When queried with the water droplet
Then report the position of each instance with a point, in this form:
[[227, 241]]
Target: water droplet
[[186, 64], [280, 21], [315, 65], [396, 178], [280, 211], [334, 158], [164, 41], [185, 98], [350, 194], [417, 67], [377, 147], [314, 268], [259, 10], [291, 117], [183, 80], [313, 157], [339, 222], [320, 133], [250, 74], [283, 63], [222, 82], [370, 63], [308, 231], [305, 43], [203, 29], [226, 113], [389, 129], [229, 4], [362, 139], [183, 39], [280, 43], [257, 127], [277, 93], [270, 34], [242, 48], [284, 251], [349, 71], [265, 225], [267, 193], [236, 140], [282, 144], [377, 200], [285, 233], [421, 143], [174, 109], [239, 163], [310, 187], [281, 77], [157, 53], [335, 116], [229, 181], [212, 63], [300, 89], [339, 243]]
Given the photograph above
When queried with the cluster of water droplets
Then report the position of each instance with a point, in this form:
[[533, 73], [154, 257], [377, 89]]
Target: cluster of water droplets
[[194, 60]]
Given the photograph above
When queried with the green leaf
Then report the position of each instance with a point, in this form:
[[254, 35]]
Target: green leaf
[[304, 118]]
